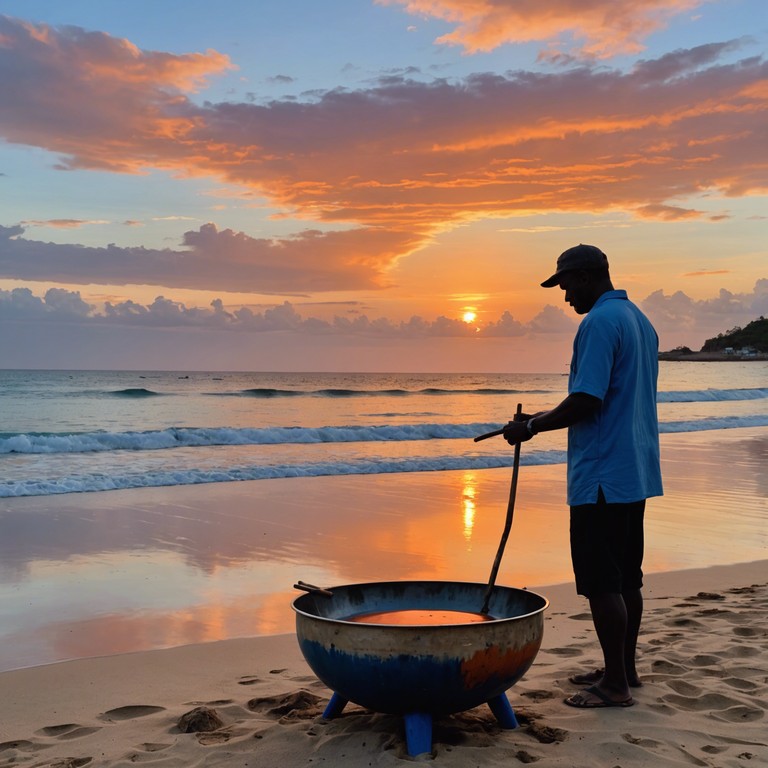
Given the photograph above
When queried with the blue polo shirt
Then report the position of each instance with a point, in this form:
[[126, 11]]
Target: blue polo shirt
[[615, 358]]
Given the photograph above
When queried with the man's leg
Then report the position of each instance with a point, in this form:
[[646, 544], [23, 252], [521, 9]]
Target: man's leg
[[610, 616], [633, 601], [607, 550]]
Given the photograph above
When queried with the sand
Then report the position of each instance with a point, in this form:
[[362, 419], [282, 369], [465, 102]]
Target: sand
[[703, 662]]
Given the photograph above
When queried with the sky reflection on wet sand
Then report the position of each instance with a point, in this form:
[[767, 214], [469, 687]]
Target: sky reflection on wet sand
[[102, 573]]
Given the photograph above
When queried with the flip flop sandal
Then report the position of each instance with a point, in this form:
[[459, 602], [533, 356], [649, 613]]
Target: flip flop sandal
[[594, 698]]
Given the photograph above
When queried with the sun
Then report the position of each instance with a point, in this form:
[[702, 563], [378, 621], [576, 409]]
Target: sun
[[469, 316]]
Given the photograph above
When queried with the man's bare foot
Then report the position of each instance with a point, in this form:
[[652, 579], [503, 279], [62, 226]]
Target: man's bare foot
[[596, 675]]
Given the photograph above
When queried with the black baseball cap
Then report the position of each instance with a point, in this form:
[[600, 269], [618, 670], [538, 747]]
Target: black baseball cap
[[579, 257]]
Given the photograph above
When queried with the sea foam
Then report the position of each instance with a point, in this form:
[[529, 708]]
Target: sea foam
[[190, 437], [153, 479]]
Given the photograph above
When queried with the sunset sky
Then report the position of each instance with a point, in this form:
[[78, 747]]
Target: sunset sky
[[372, 184]]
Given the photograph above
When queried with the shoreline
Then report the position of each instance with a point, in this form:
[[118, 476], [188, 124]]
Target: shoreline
[[701, 657], [711, 357]]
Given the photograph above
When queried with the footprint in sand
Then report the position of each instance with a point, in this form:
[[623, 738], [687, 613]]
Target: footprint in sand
[[739, 684], [705, 703], [745, 651], [78, 733], [641, 742], [538, 695], [683, 688], [705, 660], [67, 731], [248, 680], [664, 667], [567, 651], [707, 596], [215, 737], [581, 617], [683, 622], [739, 714], [546, 734], [129, 712], [57, 730], [154, 746], [223, 735], [747, 631], [20, 745]]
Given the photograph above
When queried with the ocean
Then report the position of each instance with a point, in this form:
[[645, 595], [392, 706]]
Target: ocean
[[124, 524], [90, 431]]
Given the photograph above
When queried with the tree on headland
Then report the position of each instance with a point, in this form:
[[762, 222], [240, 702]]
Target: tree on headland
[[735, 344], [754, 335]]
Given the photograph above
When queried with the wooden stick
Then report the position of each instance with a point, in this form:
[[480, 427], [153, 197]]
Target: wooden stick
[[508, 522], [312, 589], [489, 434]]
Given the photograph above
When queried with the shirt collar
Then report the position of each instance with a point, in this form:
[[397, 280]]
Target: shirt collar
[[617, 294]]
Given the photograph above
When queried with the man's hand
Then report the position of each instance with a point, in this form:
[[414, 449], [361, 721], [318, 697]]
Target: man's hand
[[516, 431]]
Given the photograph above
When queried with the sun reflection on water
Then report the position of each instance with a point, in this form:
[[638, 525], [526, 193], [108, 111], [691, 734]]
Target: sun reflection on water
[[468, 492]]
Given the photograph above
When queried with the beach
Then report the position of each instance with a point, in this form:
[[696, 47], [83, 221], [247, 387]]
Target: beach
[[702, 649], [703, 700]]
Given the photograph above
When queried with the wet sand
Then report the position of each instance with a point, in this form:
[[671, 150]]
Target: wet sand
[[102, 573], [703, 700]]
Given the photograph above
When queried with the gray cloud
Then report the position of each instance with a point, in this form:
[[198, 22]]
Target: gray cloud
[[673, 315], [214, 260], [690, 321], [20, 304]]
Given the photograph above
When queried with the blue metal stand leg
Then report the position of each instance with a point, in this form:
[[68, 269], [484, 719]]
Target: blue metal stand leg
[[503, 711], [335, 705], [418, 733]]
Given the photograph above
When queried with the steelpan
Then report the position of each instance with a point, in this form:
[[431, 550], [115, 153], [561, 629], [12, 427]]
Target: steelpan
[[426, 669]]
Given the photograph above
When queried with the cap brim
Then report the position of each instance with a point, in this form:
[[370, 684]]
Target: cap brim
[[550, 282]]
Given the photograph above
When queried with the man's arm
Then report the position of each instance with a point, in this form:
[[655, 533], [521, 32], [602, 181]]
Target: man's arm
[[576, 407]]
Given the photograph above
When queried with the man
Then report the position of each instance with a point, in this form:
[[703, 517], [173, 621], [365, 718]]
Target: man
[[613, 462]]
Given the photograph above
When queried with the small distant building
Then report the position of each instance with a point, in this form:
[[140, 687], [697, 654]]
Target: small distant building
[[728, 350]]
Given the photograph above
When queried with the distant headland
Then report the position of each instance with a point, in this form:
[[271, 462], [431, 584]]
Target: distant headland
[[736, 345]]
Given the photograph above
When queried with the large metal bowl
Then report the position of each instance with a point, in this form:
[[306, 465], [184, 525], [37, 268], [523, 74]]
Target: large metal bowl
[[431, 669]]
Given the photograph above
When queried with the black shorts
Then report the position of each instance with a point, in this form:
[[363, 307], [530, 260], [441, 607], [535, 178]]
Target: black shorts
[[607, 546]]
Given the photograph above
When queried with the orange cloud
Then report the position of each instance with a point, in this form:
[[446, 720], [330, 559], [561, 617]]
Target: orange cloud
[[58, 71], [607, 27], [63, 223], [401, 160], [667, 212]]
